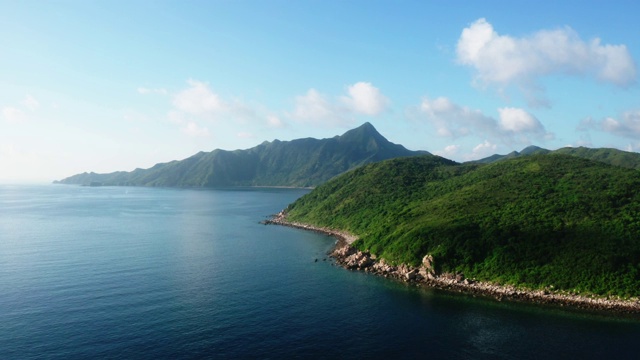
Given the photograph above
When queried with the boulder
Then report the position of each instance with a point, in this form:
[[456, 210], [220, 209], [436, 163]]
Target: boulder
[[428, 264], [411, 275]]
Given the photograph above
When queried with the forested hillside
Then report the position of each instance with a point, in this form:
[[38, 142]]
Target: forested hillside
[[610, 156], [534, 221]]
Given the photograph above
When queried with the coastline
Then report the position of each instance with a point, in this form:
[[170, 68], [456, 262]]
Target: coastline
[[350, 258]]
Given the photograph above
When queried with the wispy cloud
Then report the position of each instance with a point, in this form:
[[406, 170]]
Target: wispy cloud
[[513, 125], [449, 151], [31, 103], [275, 121], [452, 120], [197, 107], [195, 130], [484, 149], [316, 108], [198, 99], [504, 60], [19, 114], [144, 91], [245, 135], [13, 115], [627, 125]]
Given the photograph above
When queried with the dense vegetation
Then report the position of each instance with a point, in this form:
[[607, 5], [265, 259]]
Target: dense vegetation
[[301, 163], [610, 156], [533, 221]]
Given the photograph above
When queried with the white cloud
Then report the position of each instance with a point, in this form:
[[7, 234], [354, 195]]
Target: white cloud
[[198, 100], [453, 120], [16, 115], [245, 135], [313, 106], [365, 98], [13, 115], [448, 151], [316, 108], [627, 126], [504, 60], [30, 103], [484, 149], [517, 121], [274, 121], [195, 130], [145, 91]]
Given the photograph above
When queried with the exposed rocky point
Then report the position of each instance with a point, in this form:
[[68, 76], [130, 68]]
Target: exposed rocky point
[[351, 258]]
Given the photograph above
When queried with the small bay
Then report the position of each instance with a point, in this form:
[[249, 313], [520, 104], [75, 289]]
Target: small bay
[[141, 273]]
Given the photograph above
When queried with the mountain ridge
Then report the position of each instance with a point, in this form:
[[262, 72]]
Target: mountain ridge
[[626, 159], [304, 162]]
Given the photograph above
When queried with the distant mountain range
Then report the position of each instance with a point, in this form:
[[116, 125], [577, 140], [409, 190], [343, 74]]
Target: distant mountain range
[[303, 162], [610, 156], [297, 163]]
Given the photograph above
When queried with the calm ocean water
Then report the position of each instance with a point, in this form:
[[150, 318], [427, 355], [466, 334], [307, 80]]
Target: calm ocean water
[[143, 273]]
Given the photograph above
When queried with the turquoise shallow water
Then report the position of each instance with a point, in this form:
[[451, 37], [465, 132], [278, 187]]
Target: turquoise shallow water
[[142, 273]]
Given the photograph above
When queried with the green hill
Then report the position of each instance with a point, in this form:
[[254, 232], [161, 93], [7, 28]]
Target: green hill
[[531, 221], [610, 156], [615, 157], [301, 163]]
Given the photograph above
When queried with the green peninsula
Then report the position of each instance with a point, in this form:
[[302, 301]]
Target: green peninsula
[[538, 221]]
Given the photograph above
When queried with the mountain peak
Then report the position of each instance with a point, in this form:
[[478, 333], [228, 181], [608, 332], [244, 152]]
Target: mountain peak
[[365, 131], [367, 126], [302, 162], [532, 149]]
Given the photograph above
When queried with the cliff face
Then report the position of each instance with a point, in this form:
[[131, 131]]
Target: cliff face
[[300, 163]]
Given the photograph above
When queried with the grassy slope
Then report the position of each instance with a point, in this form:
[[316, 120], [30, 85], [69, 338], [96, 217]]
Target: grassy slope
[[533, 221]]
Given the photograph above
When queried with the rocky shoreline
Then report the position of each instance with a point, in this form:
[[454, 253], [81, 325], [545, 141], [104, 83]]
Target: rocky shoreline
[[351, 258]]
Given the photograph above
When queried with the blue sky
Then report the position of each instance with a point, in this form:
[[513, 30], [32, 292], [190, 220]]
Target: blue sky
[[115, 85]]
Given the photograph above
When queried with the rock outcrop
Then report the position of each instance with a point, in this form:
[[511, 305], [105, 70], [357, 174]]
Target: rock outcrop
[[351, 258]]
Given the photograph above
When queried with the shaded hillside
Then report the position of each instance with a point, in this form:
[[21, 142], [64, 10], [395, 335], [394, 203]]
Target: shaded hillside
[[529, 150], [302, 163], [610, 156], [534, 221], [615, 157]]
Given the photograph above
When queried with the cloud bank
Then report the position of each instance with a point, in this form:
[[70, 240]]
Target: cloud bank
[[513, 125], [362, 99], [197, 106], [504, 60], [627, 125], [17, 115]]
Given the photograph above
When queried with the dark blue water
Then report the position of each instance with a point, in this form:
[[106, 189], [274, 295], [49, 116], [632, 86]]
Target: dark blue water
[[167, 273]]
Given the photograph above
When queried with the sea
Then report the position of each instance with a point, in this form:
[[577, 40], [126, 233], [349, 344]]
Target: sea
[[162, 273]]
